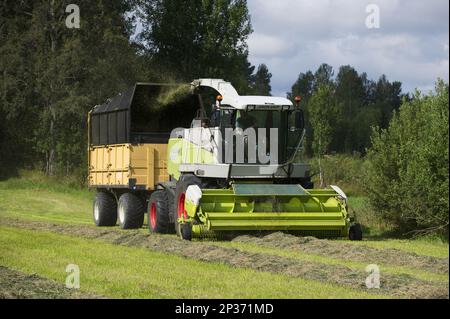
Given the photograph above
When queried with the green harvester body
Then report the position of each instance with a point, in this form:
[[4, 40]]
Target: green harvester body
[[250, 196]]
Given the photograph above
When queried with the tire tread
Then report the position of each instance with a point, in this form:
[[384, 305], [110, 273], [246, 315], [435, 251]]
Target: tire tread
[[134, 211], [107, 209], [161, 200]]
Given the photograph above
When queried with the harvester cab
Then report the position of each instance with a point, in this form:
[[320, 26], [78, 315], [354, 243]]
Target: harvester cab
[[259, 123], [234, 167]]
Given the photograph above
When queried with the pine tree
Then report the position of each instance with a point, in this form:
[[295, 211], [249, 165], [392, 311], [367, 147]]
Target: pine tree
[[260, 81]]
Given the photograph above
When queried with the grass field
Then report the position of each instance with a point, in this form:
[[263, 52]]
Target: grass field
[[43, 228]]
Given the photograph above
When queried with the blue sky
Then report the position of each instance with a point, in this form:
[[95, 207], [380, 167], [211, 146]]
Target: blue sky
[[293, 36]]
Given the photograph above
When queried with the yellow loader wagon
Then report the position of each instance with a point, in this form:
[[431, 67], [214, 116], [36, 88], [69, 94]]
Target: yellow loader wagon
[[203, 171]]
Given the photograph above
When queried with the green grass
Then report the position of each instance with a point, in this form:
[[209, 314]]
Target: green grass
[[426, 246], [33, 179], [45, 205], [38, 197], [340, 169], [373, 224], [119, 271], [395, 270], [40, 201]]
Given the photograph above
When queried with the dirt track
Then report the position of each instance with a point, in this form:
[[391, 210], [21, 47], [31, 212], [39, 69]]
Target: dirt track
[[17, 285], [393, 285]]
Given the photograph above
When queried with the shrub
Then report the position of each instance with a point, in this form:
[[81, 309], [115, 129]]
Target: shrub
[[407, 173]]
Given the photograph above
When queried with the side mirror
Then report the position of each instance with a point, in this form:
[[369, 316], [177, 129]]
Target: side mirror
[[299, 119], [215, 117]]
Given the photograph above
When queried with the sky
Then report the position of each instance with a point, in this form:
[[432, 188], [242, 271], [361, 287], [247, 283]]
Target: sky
[[410, 45]]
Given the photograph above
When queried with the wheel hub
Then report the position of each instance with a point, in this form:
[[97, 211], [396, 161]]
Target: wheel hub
[[153, 215], [96, 211], [181, 210], [121, 212]]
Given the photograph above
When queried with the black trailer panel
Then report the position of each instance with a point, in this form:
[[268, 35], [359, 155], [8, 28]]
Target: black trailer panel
[[135, 116]]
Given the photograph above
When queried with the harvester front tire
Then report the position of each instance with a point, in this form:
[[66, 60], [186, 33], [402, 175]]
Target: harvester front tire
[[105, 209], [131, 211], [355, 232], [158, 212], [186, 231], [182, 185]]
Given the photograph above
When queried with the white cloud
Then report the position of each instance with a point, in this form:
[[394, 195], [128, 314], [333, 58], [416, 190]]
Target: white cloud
[[293, 36], [267, 45]]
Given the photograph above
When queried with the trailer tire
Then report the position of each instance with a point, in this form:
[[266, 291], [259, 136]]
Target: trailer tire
[[158, 212], [105, 209], [355, 232], [130, 211], [184, 182]]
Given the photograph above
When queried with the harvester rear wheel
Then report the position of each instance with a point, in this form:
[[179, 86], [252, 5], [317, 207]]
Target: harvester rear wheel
[[355, 232], [131, 211], [158, 212], [105, 209], [184, 182]]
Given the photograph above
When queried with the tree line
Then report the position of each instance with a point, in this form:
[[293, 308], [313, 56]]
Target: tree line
[[342, 109], [52, 75]]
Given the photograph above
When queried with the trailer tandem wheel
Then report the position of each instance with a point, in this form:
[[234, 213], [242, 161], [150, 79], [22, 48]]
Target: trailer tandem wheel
[[131, 211], [105, 209]]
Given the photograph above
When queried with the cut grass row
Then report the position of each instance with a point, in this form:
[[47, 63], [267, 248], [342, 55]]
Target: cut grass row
[[394, 270], [76, 207], [119, 271], [18, 285], [401, 285]]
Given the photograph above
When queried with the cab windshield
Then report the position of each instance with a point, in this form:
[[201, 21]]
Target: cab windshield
[[289, 134]]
